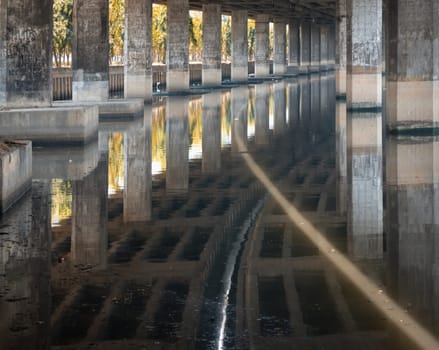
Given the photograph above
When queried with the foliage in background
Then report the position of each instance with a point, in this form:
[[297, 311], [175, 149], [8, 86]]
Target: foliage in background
[[251, 31], [62, 29], [116, 29], [226, 29], [159, 28]]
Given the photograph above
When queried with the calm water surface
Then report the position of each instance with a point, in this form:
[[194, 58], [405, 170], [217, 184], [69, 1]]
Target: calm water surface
[[158, 236]]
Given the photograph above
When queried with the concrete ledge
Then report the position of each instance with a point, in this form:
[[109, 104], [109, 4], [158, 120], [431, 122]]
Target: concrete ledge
[[43, 126], [15, 172], [111, 109]]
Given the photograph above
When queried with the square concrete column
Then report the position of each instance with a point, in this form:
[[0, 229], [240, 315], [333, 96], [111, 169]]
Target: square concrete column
[[26, 53], [305, 47], [262, 45], [280, 46], [239, 70], [364, 54], [211, 73], [177, 49], [138, 43], [341, 47], [294, 44], [324, 43], [315, 46], [90, 48], [331, 45], [413, 65]]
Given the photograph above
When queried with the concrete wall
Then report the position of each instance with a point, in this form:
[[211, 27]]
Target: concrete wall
[[212, 45]]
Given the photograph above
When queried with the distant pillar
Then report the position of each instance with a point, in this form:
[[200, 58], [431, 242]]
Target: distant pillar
[[177, 49], [341, 47], [262, 110], [211, 133], [324, 40], [177, 144], [305, 47], [413, 67], [239, 69], [211, 73], [280, 47], [364, 58], [26, 53], [90, 50], [294, 44], [315, 46], [262, 46], [138, 42]]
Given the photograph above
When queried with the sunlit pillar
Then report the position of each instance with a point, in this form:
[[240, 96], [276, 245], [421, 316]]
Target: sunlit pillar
[[262, 45], [177, 144], [137, 199], [341, 47], [239, 69], [239, 108], [211, 74], [280, 46], [262, 103], [90, 46], [177, 48], [138, 44], [211, 133]]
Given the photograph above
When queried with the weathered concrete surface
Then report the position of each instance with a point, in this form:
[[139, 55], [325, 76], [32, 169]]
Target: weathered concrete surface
[[90, 48], [25, 261], [239, 106], [262, 110], [262, 45], [364, 54], [51, 125], [294, 44], [63, 162], [324, 44], [177, 144], [315, 47], [341, 156], [239, 69], [137, 193], [26, 53], [211, 74], [15, 172], [177, 49], [90, 218], [280, 46], [211, 163], [413, 65], [305, 47], [138, 54], [341, 47], [364, 130]]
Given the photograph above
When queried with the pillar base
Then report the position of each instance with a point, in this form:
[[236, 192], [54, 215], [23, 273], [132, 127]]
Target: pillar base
[[340, 81], [279, 69], [262, 70], [211, 77], [364, 91], [239, 74], [177, 81], [138, 86], [90, 90]]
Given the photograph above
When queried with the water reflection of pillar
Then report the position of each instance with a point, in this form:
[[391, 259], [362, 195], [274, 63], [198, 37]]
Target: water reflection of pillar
[[305, 101], [89, 217], [324, 103], [341, 157], [294, 104], [25, 272], [239, 117], [262, 103], [177, 144], [365, 202], [315, 102], [280, 107], [138, 182], [412, 224], [211, 133]]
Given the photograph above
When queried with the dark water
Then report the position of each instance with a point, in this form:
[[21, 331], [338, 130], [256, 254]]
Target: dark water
[[158, 235]]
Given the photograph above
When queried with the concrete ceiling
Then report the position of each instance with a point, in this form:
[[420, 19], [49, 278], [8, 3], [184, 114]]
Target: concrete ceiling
[[320, 11]]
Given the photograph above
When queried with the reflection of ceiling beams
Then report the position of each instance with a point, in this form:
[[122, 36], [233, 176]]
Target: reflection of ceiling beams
[[320, 11]]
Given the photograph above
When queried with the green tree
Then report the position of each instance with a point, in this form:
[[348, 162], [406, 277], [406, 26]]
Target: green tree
[[196, 34], [116, 27], [159, 29], [251, 30], [62, 29], [226, 29]]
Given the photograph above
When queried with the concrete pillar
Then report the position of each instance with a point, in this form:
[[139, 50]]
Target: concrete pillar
[[341, 47], [280, 107], [262, 110], [25, 53], [280, 46], [138, 43], [239, 108], [364, 58], [294, 44], [341, 157], [412, 96], [331, 45], [305, 47], [262, 45], [177, 49], [137, 194], [177, 144], [239, 69], [211, 133], [90, 48], [315, 47], [324, 45], [90, 217], [211, 74]]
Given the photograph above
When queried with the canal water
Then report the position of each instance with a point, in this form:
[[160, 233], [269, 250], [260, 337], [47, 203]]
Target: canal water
[[167, 232]]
